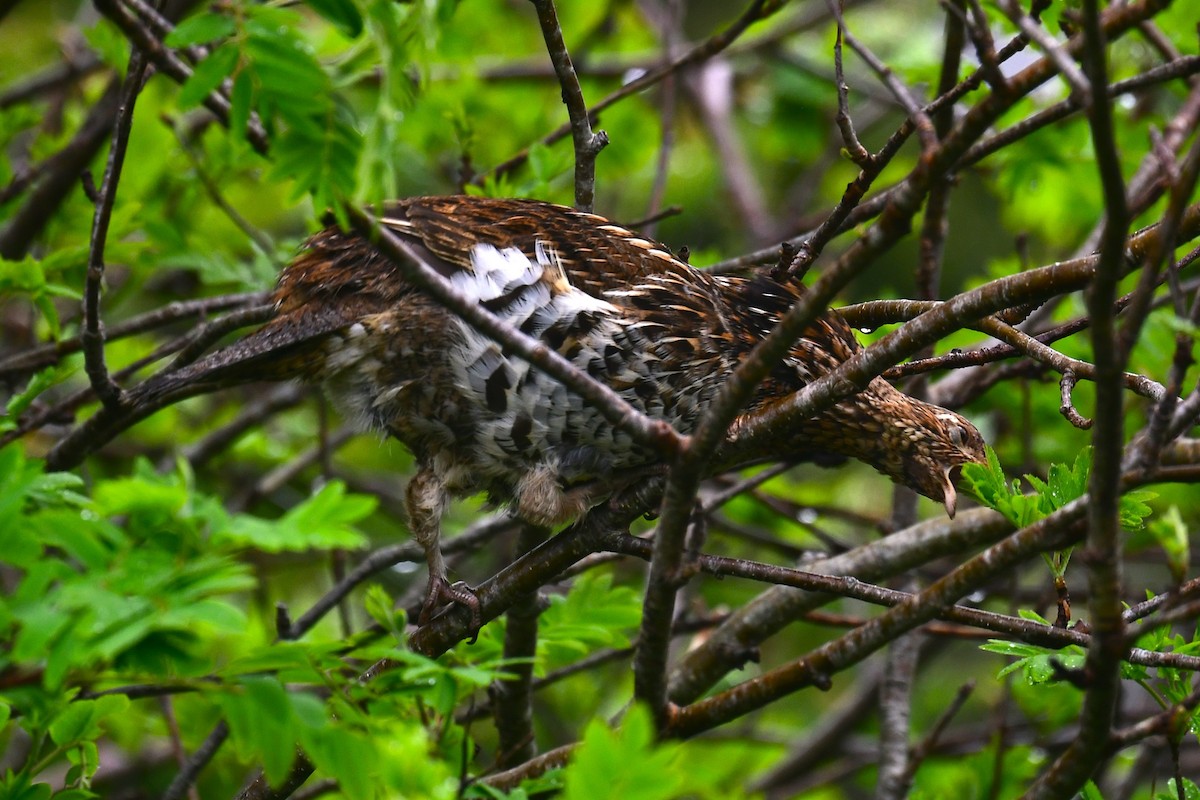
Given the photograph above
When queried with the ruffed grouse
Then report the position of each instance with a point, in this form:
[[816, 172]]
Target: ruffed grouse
[[663, 334]]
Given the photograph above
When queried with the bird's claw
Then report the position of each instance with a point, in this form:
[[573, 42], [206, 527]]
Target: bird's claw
[[442, 592]]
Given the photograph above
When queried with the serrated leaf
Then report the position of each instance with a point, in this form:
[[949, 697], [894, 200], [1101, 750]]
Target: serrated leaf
[[626, 762], [321, 156], [1133, 509], [324, 521]]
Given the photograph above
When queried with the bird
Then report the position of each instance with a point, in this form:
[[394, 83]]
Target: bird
[[620, 307]]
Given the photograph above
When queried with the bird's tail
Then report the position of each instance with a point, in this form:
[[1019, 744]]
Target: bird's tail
[[286, 347]]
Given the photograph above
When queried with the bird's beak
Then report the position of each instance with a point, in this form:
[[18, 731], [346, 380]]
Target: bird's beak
[[949, 495]]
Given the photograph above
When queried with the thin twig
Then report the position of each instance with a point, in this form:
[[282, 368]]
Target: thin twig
[[1080, 88], [47, 355], [928, 745], [186, 777], [772, 610], [92, 337], [1033, 348], [816, 668], [1066, 385], [586, 143], [854, 149], [757, 10], [905, 97], [980, 32]]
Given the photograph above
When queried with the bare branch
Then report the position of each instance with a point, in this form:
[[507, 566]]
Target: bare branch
[[1067, 408], [1104, 559], [587, 144]]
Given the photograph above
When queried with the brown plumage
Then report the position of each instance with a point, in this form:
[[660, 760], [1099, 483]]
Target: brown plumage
[[662, 334]]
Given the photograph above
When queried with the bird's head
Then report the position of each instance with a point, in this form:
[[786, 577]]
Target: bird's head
[[915, 443], [925, 447]]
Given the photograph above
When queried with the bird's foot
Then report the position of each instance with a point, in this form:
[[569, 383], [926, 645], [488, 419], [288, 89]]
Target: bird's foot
[[442, 592]]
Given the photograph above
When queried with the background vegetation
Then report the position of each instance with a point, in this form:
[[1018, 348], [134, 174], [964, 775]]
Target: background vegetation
[[214, 603]]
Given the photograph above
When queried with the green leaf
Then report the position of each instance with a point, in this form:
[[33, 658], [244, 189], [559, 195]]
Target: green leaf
[[342, 13], [324, 521], [594, 614], [1033, 616], [346, 755], [261, 723], [321, 155], [85, 760], [1037, 663], [81, 720], [382, 608], [37, 384], [1171, 533], [240, 99], [208, 75], [137, 495], [200, 29], [18, 478], [290, 79], [290, 661], [1190, 791], [19, 786], [1064, 485], [625, 762], [1133, 508]]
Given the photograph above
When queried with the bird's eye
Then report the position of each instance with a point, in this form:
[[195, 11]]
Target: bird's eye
[[957, 435]]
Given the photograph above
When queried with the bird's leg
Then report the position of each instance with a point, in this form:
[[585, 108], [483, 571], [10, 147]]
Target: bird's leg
[[543, 500], [425, 500]]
